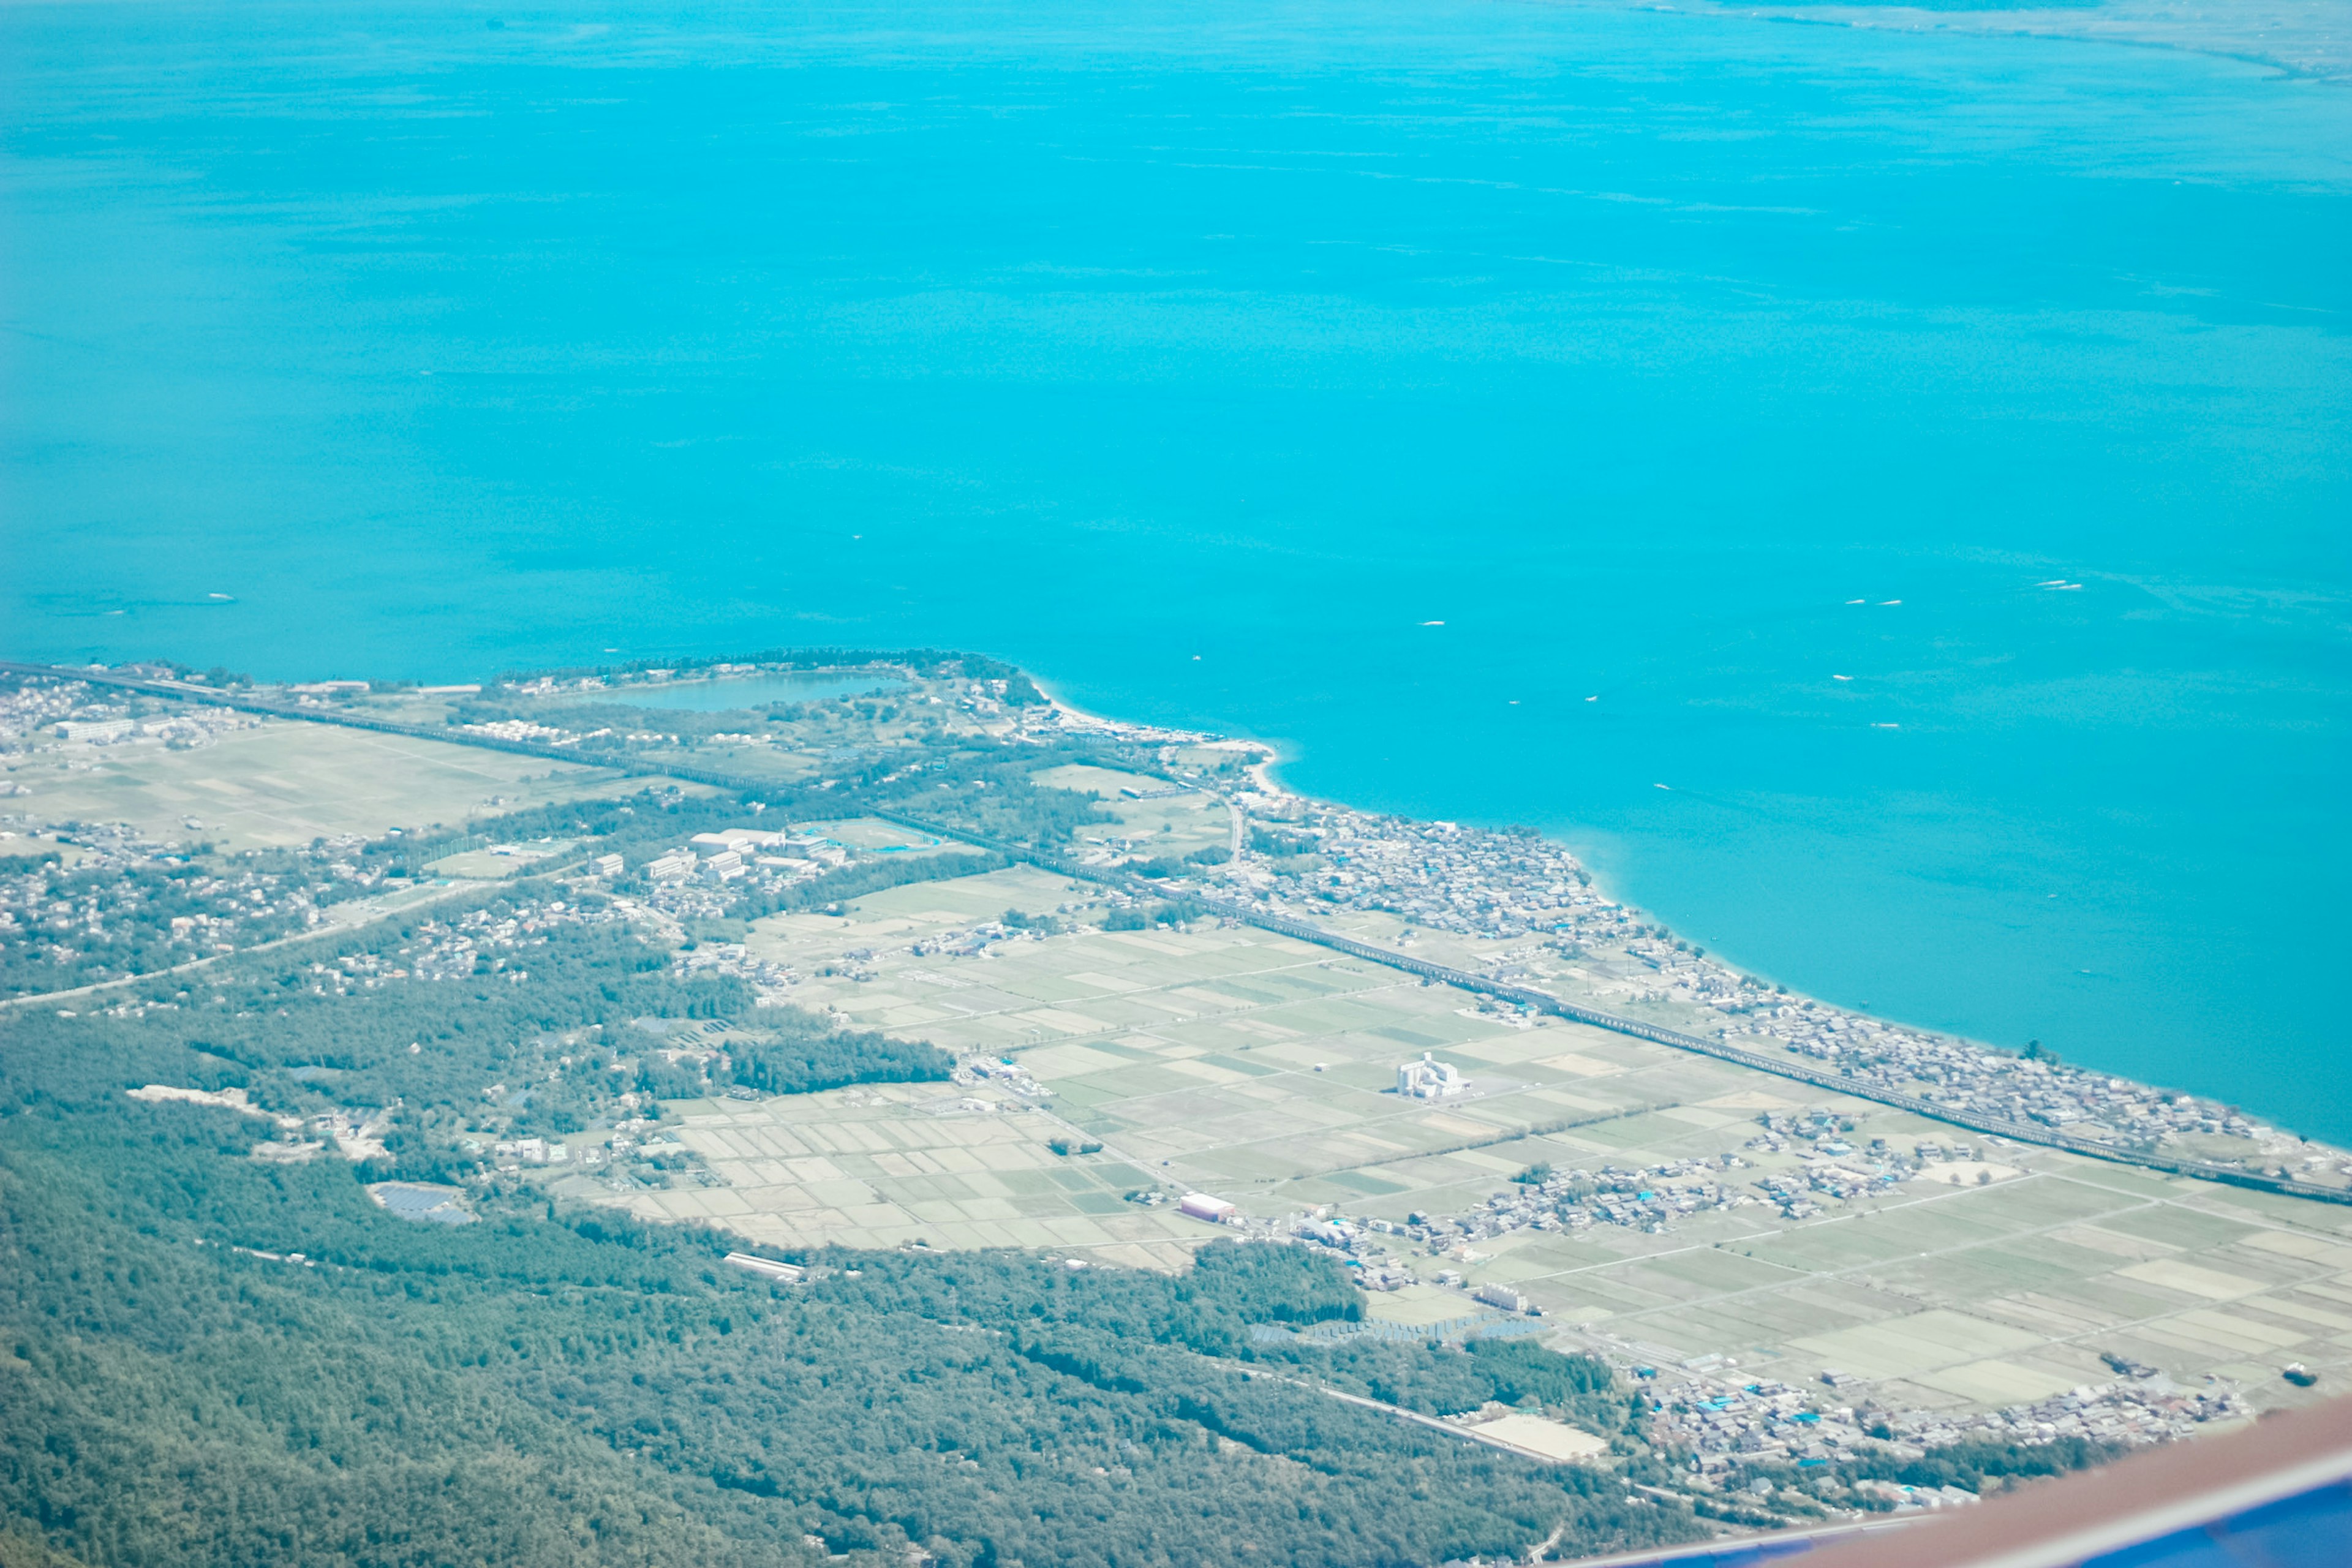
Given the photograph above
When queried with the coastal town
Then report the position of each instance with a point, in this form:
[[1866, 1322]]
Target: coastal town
[[1201, 786], [1510, 907], [1516, 913], [1525, 912]]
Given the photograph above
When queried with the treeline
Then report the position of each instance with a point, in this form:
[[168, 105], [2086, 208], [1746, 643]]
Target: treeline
[[1263, 840], [634, 826], [871, 877], [1440, 1380], [1019, 691], [1163, 866], [970, 784], [801, 1053], [1972, 1462], [585, 1389]]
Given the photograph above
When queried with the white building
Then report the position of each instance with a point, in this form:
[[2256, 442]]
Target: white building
[[740, 838], [1430, 1079], [1502, 1296], [674, 866], [605, 865], [1201, 1206]]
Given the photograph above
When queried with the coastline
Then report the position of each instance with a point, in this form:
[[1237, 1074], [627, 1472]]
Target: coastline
[[2077, 1127], [1602, 1078], [1261, 772], [1524, 908], [1264, 777]]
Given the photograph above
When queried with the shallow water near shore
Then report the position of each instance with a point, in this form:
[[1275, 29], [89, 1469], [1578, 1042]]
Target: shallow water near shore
[[1519, 413]]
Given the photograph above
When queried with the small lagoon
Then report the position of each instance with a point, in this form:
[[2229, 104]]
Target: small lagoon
[[746, 692]]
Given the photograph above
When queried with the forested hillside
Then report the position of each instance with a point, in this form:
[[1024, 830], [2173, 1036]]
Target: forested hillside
[[215, 1360], [542, 1389]]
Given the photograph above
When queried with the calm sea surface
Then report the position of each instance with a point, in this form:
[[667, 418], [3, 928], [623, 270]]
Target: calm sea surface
[[1200, 357]]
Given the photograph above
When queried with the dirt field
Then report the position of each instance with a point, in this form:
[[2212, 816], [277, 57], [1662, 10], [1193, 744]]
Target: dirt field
[[287, 783]]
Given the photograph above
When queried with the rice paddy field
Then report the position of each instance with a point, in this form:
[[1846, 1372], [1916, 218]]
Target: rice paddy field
[[1262, 1070], [915, 1165]]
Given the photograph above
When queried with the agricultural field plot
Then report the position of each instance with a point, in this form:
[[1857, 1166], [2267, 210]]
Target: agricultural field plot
[[900, 916], [923, 1164], [1173, 824], [286, 784], [1262, 1070], [1987, 1297], [1936, 1296]]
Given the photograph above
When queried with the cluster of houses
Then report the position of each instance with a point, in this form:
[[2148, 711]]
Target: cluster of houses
[[1726, 1421], [76, 916], [1440, 874], [2018, 1088], [496, 940], [67, 716], [1650, 1199]]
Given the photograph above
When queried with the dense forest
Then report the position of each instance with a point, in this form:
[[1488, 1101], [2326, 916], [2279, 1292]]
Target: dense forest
[[976, 785], [544, 1387], [207, 1359]]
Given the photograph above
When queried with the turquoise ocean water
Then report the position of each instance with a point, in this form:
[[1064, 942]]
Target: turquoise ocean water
[[1198, 356]]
